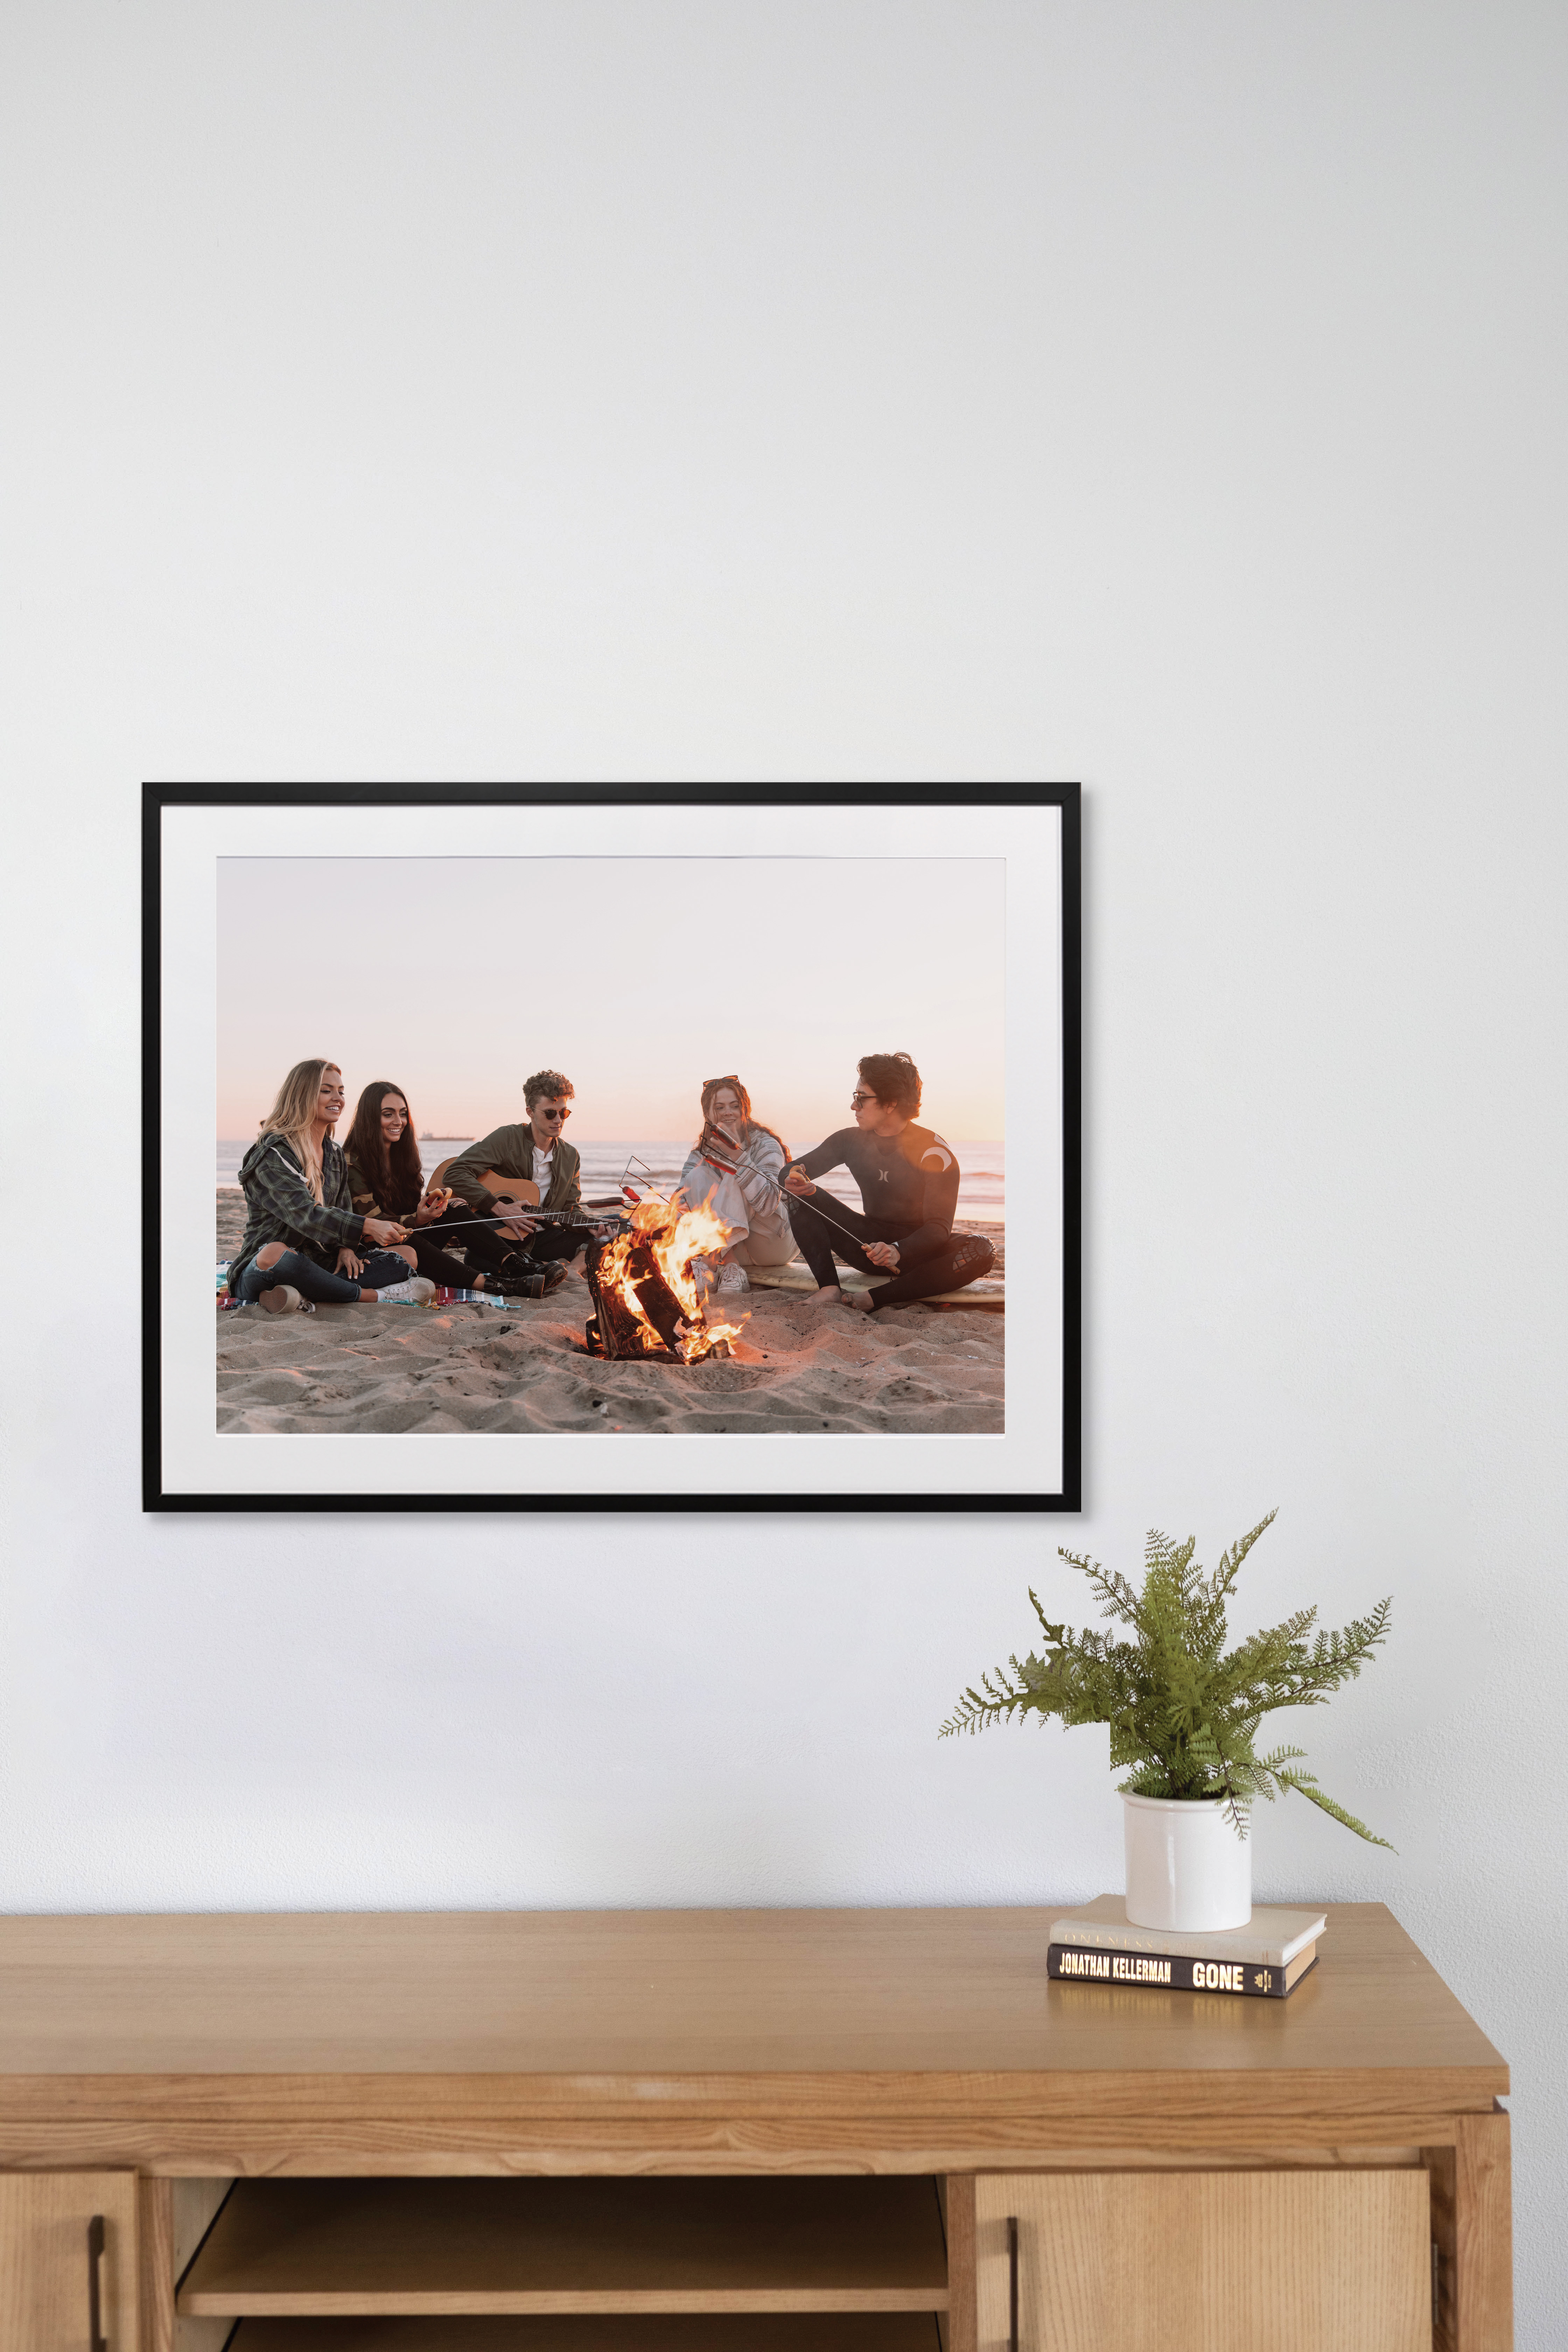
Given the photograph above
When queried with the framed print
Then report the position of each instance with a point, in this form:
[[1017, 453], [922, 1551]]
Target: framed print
[[620, 1148]]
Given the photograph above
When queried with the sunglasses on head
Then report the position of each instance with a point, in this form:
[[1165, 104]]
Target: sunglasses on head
[[729, 1080]]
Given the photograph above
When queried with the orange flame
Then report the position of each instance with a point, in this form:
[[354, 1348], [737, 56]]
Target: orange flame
[[675, 1236]]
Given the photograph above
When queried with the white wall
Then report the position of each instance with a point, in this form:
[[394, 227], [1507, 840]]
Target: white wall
[[1170, 396]]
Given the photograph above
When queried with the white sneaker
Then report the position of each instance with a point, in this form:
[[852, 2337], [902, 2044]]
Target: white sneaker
[[417, 1292], [732, 1277]]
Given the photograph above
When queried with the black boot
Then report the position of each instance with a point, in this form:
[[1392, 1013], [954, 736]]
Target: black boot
[[527, 1281]]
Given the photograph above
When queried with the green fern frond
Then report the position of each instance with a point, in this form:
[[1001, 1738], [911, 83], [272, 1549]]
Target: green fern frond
[[1230, 1562], [973, 1712], [1306, 1786], [1052, 1632], [1182, 1711], [1276, 1757]]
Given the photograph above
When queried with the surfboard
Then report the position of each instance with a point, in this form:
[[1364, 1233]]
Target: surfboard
[[991, 1290]]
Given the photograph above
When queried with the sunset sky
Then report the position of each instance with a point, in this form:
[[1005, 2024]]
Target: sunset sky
[[456, 978]]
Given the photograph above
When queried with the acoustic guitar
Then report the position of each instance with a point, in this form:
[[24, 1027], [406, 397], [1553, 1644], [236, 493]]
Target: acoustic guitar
[[525, 1193], [521, 1189]]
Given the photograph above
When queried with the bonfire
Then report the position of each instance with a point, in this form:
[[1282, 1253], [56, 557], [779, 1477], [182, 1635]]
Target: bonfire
[[646, 1289]]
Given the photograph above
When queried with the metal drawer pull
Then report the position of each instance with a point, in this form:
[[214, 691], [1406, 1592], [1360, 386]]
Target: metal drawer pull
[[95, 2337], [1012, 2284]]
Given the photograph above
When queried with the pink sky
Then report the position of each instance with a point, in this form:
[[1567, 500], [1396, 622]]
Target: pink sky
[[456, 978]]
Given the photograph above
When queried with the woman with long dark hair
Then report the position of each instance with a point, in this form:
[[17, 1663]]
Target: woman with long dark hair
[[303, 1232], [737, 1165], [385, 1181]]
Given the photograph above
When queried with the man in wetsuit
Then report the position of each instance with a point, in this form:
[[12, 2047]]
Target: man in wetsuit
[[909, 1182]]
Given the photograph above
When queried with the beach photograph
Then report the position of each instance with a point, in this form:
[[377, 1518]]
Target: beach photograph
[[600, 1145]]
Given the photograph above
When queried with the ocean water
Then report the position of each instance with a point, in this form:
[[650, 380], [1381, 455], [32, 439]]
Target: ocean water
[[982, 1187]]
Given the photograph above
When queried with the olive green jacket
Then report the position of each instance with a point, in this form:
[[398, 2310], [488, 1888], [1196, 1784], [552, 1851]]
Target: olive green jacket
[[510, 1151]]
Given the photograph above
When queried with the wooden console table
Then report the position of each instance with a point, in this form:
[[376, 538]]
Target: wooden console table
[[755, 2131]]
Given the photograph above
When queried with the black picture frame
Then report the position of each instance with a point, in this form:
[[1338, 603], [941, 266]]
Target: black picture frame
[[159, 797]]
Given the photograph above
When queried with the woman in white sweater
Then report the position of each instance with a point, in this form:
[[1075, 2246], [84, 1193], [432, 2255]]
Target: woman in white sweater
[[736, 1165]]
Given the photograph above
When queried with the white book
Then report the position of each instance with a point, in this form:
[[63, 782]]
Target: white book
[[1272, 1936]]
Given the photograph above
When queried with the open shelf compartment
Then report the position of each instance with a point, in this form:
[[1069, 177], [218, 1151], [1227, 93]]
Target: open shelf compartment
[[339, 2249]]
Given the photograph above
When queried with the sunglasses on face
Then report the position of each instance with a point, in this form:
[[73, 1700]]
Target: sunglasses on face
[[855, 1100], [554, 1114]]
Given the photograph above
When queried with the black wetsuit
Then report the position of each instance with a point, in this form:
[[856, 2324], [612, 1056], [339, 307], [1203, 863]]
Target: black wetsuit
[[909, 1184]]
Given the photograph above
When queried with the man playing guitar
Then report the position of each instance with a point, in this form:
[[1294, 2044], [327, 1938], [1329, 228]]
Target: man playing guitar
[[533, 1166]]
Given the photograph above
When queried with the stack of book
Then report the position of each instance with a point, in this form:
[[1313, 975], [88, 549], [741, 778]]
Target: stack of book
[[1267, 1958]]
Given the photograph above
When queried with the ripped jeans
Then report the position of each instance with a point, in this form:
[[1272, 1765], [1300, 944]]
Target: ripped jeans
[[381, 1269]]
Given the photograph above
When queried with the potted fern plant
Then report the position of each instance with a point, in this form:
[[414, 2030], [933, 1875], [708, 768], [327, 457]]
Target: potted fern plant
[[1184, 1712]]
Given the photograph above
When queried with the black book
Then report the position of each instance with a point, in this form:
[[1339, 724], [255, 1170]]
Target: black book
[[1178, 1972]]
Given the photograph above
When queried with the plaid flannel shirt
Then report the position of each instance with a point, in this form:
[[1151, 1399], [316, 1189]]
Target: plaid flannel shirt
[[281, 1206]]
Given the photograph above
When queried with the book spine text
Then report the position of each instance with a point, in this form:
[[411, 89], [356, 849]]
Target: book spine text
[[1171, 1971]]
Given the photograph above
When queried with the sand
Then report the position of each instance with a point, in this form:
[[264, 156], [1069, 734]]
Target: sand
[[910, 1370]]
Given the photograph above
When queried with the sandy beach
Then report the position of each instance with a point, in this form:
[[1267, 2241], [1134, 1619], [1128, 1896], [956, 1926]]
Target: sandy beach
[[913, 1369]]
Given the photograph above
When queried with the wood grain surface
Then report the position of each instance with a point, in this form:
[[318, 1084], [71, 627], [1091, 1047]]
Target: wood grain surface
[[1208, 2262], [1099, 2131], [1483, 2247], [734, 2015], [320, 2247], [961, 2284], [769, 2332], [176, 2218], [45, 2297]]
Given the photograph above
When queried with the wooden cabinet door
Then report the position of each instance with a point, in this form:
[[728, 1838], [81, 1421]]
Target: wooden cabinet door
[[1204, 2261], [51, 2277]]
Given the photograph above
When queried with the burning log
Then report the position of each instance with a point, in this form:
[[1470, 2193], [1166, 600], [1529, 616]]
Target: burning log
[[644, 1289], [639, 1314], [616, 1327], [662, 1308]]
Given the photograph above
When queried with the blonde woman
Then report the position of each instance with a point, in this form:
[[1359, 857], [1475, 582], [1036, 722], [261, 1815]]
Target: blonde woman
[[300, 1232]]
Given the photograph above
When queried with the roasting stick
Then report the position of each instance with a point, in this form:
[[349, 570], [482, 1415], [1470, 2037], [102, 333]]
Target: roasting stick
[[528, 1209], [814, 1196], [534, 1216], [456, 1225], [557, 1216], [817, 1203]]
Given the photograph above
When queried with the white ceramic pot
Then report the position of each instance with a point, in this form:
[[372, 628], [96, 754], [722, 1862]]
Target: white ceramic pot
[[1185, 1865]]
